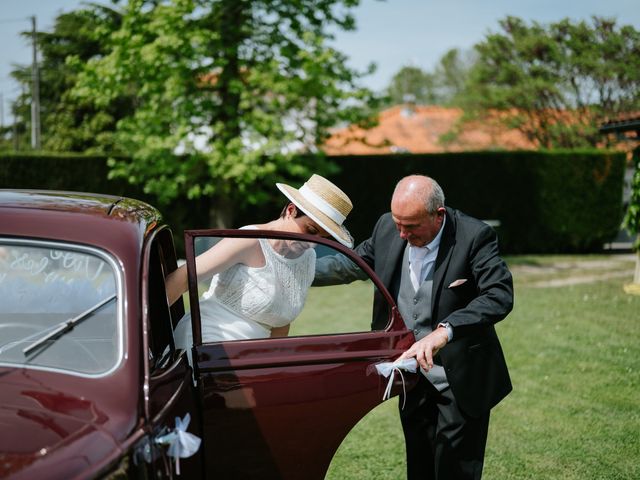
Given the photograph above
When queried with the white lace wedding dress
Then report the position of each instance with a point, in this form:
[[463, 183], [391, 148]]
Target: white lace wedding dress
[[246, 302]]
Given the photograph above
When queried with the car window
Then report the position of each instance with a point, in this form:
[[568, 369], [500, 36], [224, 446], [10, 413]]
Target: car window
[[267, 286], [61, 307]]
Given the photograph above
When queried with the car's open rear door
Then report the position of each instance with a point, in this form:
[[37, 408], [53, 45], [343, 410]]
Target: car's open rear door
[[280, 407]]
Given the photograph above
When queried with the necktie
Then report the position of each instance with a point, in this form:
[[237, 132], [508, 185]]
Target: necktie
[[416, 260]]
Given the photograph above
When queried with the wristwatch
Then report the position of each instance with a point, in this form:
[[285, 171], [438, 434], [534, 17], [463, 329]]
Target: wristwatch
[[449, 330]]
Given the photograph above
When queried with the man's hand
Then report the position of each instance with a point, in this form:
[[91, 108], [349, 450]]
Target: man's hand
[[424, 350]]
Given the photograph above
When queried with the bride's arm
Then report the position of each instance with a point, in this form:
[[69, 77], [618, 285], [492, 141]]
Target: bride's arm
[[280, 331], [218, 258]]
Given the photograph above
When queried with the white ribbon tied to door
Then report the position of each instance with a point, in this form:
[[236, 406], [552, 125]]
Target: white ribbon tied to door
[[389, 369], [182, 444]]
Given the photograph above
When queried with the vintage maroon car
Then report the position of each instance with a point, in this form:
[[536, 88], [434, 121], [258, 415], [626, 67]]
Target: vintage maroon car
[[92, 385]]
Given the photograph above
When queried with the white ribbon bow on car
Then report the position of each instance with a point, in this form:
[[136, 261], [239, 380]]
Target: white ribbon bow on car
[[389, 369], [182, 444]]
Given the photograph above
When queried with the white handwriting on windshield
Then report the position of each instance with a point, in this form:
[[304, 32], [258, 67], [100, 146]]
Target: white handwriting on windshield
[[58, 265], [27, 264]]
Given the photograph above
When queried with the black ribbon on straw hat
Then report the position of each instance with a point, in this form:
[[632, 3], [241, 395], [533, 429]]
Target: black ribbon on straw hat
[[324, 203]]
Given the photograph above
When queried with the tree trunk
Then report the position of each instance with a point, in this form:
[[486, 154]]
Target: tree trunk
[[221, 213], [232, 20]]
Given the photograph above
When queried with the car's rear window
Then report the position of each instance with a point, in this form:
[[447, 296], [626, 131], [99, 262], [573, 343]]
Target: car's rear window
[[60, 307]]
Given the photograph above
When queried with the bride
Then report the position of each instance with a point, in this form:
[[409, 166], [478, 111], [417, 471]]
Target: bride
[[259, 286]]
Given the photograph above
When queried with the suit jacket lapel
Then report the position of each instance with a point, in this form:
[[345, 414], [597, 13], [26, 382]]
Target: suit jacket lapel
[[447, 243]]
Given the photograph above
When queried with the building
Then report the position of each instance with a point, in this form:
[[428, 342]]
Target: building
[[425, 129]]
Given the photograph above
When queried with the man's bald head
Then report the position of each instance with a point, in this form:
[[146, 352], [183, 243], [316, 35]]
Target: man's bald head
[[417, 208], [419, 189]]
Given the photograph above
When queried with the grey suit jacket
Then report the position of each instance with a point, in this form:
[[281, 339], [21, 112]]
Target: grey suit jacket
[[473, 360]]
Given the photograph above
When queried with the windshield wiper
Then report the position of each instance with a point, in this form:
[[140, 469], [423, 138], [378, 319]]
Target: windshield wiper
[[66, 326]]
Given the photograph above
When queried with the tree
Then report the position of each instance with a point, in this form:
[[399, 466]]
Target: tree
[[412, 85], [69, 124], [232, 87], [557, 83], [442, 86], [451, 74]]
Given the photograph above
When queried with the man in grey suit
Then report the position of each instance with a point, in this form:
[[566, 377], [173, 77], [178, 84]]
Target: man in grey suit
[[451, 286]]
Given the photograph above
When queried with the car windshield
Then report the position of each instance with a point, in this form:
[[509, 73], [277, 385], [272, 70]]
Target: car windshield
[[46, 285]]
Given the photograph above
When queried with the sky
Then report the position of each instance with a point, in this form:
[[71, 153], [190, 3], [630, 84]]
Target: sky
[[391, 33]]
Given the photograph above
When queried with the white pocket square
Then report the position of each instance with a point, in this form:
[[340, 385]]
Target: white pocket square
[[457, 283]]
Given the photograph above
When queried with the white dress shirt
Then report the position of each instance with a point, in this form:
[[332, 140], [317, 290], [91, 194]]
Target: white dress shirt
[[426, 255]]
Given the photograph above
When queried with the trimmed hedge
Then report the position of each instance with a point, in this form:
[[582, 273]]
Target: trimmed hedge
[[546, 202], [87, 173], [70, 171]]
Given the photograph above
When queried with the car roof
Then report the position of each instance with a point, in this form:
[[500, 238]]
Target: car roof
[[59, 214], [57, 200]]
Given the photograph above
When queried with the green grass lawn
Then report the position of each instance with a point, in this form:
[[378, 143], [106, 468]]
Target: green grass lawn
[[574, 358]]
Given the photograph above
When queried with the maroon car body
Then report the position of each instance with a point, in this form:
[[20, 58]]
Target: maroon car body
[[93, 402]]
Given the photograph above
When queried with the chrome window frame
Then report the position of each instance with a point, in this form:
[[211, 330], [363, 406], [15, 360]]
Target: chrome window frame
[[118, 271]]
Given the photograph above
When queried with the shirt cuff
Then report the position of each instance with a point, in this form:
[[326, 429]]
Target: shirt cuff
[[449, 330]]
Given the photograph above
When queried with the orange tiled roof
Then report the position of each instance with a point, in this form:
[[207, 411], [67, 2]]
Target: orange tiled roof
[[418, 129]]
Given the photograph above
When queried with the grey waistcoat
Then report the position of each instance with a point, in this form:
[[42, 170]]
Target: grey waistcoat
[[415, 308]]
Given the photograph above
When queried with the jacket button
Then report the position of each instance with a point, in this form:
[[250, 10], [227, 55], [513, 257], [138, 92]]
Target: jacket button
[[415, 301], [415, 316]]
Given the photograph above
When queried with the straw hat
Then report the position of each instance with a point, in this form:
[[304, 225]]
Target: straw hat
[[324, 203]]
